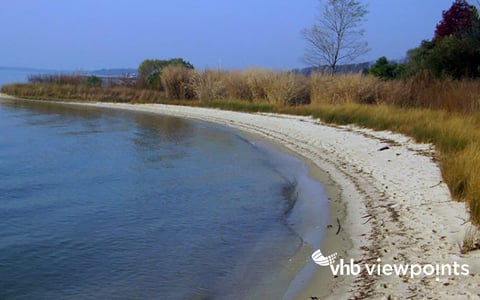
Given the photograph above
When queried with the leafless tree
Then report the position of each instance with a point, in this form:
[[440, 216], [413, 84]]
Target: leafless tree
[[336, 35]]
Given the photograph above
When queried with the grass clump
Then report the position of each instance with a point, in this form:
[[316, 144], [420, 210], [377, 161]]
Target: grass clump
[[471, 240], [175, 81]]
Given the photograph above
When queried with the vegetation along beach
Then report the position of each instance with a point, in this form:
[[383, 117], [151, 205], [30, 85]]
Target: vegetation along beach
[[370, 165]]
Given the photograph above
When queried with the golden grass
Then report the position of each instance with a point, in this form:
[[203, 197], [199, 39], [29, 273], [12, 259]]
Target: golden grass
[[343, 89], [421, 91], [83, 93], [471, 240], [175, 81], [253, 85]]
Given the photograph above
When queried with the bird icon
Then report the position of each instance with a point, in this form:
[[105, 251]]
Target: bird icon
[[321, 260]]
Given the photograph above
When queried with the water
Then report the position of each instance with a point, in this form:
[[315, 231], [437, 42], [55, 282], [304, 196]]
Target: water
[[98, 204], [19, 75]]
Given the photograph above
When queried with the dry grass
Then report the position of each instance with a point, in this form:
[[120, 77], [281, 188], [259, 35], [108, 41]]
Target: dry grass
[[288, 89], [471, 241], [236, 86], [421, 91], [259, 86], [257, 81], [344, 89], [75, 79], [208, 85], [176, 82], [83, 93]]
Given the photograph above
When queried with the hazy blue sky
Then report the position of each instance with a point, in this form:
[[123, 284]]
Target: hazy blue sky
[[92, 34]]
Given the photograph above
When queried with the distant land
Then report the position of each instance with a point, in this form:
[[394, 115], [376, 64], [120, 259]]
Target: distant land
[[120, 72], [114, 72], [10, 75], [341, 69], [101, 72]]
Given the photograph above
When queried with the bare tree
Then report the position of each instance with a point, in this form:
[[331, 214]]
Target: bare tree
[[336, 35]]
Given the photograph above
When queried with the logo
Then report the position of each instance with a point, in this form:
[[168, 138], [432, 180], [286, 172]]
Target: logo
[[324, 261], [352, 268]]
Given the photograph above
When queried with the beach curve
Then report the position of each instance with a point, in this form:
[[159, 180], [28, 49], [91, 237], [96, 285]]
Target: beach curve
[[397, 206]]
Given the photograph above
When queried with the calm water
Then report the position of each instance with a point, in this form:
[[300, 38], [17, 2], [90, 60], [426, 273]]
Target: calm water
[[17, 75], [109, 204]]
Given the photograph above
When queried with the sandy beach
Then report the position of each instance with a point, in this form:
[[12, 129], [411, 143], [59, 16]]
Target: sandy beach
[[388, 200]]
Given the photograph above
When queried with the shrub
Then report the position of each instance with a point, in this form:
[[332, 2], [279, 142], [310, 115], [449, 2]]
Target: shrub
[[175, 81], [327, 89], [152, 81], [288, 89], [387, 70], [73, 79], [257, 81], [208, 85], [93, 81], [453, 52], [150, 70], [236, 86]]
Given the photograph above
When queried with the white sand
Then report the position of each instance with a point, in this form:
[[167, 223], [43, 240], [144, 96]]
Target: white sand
[[397, 206]]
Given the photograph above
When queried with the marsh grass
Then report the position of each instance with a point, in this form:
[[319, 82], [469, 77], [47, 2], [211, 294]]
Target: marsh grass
[[445, 112], [175, 81], [83, 93], [471, 240]]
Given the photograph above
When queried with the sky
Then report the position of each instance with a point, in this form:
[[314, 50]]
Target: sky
[[227, 34]]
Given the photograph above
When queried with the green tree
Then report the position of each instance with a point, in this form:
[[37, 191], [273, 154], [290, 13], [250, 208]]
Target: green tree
[[418, 57], [455, 49], [387, 70], [93, 81], [150, 70], [455, 57]]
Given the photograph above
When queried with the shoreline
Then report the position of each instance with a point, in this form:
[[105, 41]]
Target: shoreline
[[392, 205]]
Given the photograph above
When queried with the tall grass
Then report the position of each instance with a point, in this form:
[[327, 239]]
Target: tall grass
[[208, 85], [74, 79], [175, 81], [291, 89], [421, 91], [287, 89], [445, 112], [344, 89], [259, 86], [83, 93]]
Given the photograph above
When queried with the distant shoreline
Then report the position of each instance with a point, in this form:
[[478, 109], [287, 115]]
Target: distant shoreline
[[389, 203]]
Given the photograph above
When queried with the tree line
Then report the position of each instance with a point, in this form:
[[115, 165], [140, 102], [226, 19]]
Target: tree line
[[453, 52]]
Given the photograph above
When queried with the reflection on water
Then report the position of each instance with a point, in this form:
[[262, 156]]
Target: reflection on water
[[164, 129], [102, 203]]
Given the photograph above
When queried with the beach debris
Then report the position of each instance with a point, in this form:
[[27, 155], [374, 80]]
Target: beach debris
[[384, 148], [368, 220], [339, 226], [437, 184]]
